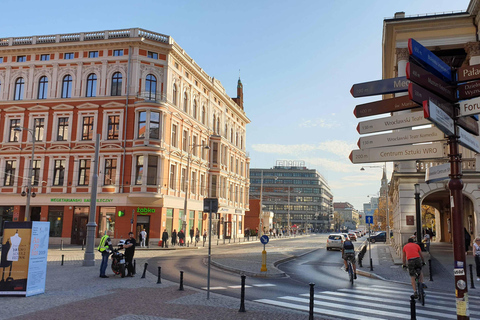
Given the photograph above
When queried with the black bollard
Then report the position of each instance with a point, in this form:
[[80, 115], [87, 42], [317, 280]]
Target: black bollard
[[217, 241], [472, 284], [371, 265], [430, 269], [144, 270], [413, 312], [242, 295], [360, 258], [134, 266], [181, 281], [310, 317], [159, 280], [63, 256]]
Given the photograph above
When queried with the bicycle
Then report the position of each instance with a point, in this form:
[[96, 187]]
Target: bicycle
[[419, 285], [351, 274]]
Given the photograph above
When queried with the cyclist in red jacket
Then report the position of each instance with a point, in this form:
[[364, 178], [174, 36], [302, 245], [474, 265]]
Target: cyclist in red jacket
[[412, 253]]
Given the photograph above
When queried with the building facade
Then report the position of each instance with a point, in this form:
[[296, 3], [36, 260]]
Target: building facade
[[169, 134], [346, 216], [298, 196], [454, 38]]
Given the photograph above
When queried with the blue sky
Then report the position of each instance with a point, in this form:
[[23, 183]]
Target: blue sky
[[298, 61]]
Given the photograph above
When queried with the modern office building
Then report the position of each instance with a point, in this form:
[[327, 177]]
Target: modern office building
[[347, 217], [298, 196], [452, 36], [169, 135]]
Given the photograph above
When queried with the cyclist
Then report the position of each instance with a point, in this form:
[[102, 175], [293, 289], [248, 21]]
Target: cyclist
[[348, 253], [413, 254]]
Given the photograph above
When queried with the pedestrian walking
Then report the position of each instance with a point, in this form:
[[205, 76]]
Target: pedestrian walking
[[197, 235], [174, 237], [143, 235], [181, 238], [204, 235], [468, 240], [426, 240], [164, 238], [129, 246], [105, 247], [191, 235], [476, 254]]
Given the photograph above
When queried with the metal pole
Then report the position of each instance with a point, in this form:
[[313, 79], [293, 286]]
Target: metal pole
[[209, 250], [370, 248], [387, 210], [312, 291], [30, 173], [144, 270], [472, 284], [260, 229], [456, 203], [413, 312], [242, 295], [159, 279], [184, 222], [89, 258], [181, 281], [418, 216]]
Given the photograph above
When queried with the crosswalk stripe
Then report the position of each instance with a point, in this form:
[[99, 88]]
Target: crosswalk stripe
[[430, 292], [264, 285], [406, 291], [239, 286], [315, 310], [348, 306], [215, 288]]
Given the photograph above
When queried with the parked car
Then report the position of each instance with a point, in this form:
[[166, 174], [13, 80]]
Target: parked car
[[358, 233], [335, 241], [352, 236], [378, 237]]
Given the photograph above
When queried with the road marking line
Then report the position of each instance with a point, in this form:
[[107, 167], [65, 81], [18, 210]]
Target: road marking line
[[264, 285], [215, 288], [239, 286]]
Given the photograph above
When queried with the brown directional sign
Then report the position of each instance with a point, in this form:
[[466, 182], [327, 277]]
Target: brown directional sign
[[468, 73], [420, 76], [419, 94], [469, 90], [384, 106]]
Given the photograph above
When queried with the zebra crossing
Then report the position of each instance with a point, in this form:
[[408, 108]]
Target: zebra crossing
[[377, 303], [258, 285]]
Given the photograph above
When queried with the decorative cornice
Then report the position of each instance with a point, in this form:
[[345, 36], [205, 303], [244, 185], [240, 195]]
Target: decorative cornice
[[472, 49], [402, 54]]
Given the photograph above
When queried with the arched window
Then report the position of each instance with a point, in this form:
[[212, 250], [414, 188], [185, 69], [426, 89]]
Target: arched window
[[116, 84], [185, 102], [42, 87], [67, 86], [203, 114], [195, 108], [151, 87], [174, 94], [19, 89], [91, 85]]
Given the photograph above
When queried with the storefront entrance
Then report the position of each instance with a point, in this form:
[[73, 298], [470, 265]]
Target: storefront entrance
[[79, 225], [143, 222]]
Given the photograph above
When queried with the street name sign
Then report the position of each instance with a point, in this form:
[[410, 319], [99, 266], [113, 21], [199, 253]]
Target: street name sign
[[469, 107], [377, 87], [467, 140], [398, 121], [430, 82], [429, 60], [437, 173], [401, 137], [434, 150], [469, 90], [468, 73], [442, 120], [384, 106]]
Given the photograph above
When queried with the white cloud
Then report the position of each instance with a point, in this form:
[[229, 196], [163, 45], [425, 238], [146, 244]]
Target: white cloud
[[318, 122]]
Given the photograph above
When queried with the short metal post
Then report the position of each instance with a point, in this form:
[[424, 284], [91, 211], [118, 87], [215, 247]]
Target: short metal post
[[472, 284], [242, 295], [134, 266], [63, 256], [312, 292], [159, 280], [371, 265], [413, 312], [144, 270], [430, 269], [181, 281], [217, 241]]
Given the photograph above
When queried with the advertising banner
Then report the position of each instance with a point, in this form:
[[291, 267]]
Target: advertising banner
[[24, 258]]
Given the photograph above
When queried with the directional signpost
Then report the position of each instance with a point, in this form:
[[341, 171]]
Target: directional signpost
[[384, 86], [264, 240], [401, 138], [469, 107], [437, 173], [406, 120], [398, 153], [384, 106], [436, 115], [468, 140]]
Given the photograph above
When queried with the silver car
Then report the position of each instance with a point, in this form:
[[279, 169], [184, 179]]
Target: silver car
[[335, 241]]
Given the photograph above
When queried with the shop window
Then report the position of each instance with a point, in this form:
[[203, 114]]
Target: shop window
[[55, 217], [106, 220], [6, 214]]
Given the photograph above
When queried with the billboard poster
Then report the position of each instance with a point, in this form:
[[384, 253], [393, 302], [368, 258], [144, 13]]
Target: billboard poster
[[37, 266], [16, 254]]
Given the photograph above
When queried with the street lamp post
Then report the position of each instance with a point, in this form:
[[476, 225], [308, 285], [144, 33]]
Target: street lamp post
[[189, 159], [387, 213], [418, 215], [30, 173]]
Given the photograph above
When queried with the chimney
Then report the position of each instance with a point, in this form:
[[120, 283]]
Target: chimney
[[399, 15]]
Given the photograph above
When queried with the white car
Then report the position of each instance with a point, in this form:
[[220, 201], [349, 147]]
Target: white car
[[335, 241]]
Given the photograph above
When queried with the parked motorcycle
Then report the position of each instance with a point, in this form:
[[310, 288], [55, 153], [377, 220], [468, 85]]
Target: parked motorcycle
[[118, 260]]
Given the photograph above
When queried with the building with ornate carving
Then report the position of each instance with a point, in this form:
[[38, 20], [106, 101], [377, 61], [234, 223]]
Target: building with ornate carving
[[454, 38], [155, 111]]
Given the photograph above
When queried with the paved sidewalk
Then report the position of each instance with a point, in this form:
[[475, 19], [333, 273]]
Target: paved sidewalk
[[76, 292]]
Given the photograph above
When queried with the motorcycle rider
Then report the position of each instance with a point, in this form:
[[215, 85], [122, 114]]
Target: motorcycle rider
[[105, 247], [129, 246]]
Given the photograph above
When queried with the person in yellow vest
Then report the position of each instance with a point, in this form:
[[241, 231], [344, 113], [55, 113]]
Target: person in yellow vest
[[105, 248]]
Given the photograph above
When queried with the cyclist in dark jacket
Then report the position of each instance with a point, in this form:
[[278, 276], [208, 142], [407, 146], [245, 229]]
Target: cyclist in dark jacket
[[348, 253]]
